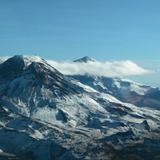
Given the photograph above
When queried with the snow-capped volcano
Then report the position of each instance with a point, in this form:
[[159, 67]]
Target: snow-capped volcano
[[85, 59], [46, 115]]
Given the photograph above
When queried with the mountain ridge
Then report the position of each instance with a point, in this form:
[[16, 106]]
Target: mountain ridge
[[48, 115]]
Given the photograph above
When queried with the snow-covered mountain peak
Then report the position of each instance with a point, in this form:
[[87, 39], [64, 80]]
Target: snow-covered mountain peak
[[23, 76], [17, 64], [21, 61], [85, 59], [28, 59]]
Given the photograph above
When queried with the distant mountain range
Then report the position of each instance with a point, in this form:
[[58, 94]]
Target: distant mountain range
[[46, 115]]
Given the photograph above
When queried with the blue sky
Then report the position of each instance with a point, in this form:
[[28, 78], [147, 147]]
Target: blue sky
[[60, 29], [69, 29]]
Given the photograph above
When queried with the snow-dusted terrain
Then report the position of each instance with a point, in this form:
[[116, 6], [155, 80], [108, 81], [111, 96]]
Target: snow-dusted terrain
[[45, 115]]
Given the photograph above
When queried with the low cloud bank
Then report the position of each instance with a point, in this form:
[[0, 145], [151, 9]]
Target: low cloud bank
[[98, 68], [107, 68]]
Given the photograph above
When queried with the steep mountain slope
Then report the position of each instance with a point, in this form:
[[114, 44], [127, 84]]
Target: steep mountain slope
[[26, 85], [125, 90], [46, 115]]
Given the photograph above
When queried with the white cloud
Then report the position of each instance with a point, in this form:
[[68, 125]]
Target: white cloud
[[98, 68], [107, 68]]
